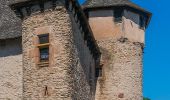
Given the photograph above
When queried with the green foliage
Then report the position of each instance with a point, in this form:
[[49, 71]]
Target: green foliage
[[146, 99]]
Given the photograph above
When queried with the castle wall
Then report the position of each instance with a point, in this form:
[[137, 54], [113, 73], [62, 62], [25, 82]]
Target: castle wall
[[103, 25], [131, 27], [122, 71], [11, 70], [121, 47], [55, 76], [67, 75], [84, 66]]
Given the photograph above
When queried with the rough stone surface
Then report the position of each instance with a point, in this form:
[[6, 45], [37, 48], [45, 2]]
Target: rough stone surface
[[8, 19], [122, 71], [121, 47], [68, 73], [84, 70], [11, 70]]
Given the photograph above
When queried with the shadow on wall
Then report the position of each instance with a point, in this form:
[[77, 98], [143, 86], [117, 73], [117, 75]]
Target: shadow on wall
[[10, 47]]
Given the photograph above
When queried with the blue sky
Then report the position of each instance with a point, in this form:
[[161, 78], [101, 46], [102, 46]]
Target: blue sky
[[157, 50]]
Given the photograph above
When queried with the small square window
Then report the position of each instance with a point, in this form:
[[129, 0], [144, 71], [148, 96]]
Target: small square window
[[44, 38]]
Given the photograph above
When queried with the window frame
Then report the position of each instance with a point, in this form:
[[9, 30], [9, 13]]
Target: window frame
[[41, 46]]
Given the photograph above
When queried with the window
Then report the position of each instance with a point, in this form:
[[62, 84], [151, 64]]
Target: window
[[98, 72], [118, 15], [142, 22], [44, 38], [44, 54], [43, 47]]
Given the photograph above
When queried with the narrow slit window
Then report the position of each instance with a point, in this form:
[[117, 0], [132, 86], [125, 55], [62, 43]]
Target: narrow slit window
[[46, 91], [99, 72]]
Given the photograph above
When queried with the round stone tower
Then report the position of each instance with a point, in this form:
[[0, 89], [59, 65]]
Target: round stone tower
[[119, 28]]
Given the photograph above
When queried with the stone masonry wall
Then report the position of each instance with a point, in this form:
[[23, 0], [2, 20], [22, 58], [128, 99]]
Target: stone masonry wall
[[84, 66], [66, 77], [122, 70], [121, 46], [56, 76], [11, 70]]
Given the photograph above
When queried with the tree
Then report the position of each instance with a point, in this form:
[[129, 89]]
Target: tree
[[146, 98]]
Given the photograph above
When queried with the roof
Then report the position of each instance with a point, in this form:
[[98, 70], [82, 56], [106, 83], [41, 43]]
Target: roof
[[101, 3], [108, 3], [90, 4], [88, 36], [10, 25]]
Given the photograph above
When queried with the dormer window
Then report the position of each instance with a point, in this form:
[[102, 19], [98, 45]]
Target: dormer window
[[118, 15], [43, 47]]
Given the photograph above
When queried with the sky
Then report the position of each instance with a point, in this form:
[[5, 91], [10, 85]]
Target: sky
[[157, 50]]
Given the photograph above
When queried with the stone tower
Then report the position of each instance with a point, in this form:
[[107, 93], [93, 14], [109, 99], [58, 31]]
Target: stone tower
[[59, 51], [119, 28]]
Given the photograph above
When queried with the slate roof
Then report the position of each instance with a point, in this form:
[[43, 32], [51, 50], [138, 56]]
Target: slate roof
[[99, 3], [108, 3], [10, 25], [89, 4]]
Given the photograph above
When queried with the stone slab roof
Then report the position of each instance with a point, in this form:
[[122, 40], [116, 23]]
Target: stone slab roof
[[10, 25]]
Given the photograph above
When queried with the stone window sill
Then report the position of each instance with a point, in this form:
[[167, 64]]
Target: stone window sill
[[43, 64], [43, 45]]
